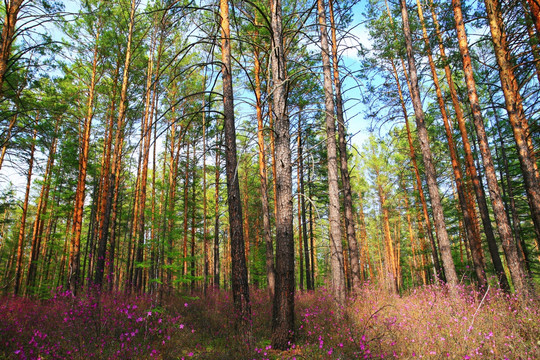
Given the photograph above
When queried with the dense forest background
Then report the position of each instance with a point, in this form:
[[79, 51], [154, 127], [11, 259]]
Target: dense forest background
[[172, 147]]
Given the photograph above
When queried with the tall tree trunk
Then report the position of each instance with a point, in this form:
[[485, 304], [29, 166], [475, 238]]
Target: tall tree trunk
[[302, 207], [343, 162], [74, 258], [469, 162], [146, 140], [106, 186], [41, 209], [283, 306], [412, 155], [516, 113], [119, 143], [473, 233], [239, 270], [438, 215], [389, 261], [185, 220], [216, 221], [263, 175], [336, 260], [516, 270], [20, 242], [299, 206]]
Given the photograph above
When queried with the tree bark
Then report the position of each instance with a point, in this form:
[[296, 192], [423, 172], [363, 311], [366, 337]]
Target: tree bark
[[412, 155], [438, 215], [74, 259], [283, 306], [516, 270], [263, 176], [336, 252], [8, 36], [343, 161], [20, 242], [469, 162], [239, 270], [473, 233], [516, 113]]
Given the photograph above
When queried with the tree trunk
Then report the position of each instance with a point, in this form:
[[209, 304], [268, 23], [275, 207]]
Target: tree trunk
[[74, 259], [469, 162], [336, 260], [473, 233], [283, 306], [119, 144], [516, 270], [263, 175], [216, 223], [516, 113], [12, 9], [239, 270], [438, 215], [20, 243], [343, 162], [41, 209], [302, 207], [412, 155]]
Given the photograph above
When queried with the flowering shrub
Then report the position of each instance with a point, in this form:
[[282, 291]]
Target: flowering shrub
[[426, 323], [88, 326]]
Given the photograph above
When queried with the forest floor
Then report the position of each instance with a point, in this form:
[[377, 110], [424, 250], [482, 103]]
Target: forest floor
[[425, 323]]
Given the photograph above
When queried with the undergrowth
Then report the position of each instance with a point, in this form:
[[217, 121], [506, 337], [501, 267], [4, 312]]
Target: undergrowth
[[426, 323]]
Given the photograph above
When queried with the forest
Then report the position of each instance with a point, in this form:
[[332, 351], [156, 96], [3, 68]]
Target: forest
[[279, 179]]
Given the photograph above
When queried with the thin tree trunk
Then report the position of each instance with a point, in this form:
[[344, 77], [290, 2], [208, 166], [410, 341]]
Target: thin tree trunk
[[119, 144], [469, 162], [216, 223], [516, 113], [74, 258], [343, 162], [263, 175], [516, 270], [20, 242], [41, 209], [336, 260], [412, 155], [302, 207], [473, 233], [240, 288], [438, 215], [107, 183]]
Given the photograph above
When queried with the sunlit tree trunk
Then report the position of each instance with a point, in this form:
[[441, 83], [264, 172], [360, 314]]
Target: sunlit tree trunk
[[239, 270], [516, 270], [263, 176], [74, 259], [412, 155], [438, 215], [516, 113], [20, 242], [336, 253], [12, 8], [106, 186], [473, 233], [116, 170], [469, 161], [43, 200], [343, 162]]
